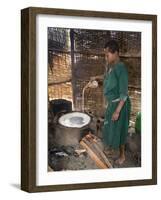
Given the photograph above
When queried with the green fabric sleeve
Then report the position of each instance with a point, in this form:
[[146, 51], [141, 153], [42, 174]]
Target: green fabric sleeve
[[122, 75]]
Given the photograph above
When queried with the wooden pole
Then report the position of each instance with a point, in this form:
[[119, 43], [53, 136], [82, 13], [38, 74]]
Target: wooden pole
[[93, 156], [72, 67]]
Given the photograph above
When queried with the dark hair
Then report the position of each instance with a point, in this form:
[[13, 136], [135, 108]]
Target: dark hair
[[112, 45]]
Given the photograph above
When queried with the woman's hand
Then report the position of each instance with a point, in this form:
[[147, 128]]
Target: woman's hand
[[115, 116]]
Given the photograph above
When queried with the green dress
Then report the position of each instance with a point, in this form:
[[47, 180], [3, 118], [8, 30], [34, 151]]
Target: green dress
[[115, 87]]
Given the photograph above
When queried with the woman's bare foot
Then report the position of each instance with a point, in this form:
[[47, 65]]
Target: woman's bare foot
[[120, 160]]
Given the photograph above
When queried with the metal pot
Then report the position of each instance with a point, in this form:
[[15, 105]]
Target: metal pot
[[69, 129]]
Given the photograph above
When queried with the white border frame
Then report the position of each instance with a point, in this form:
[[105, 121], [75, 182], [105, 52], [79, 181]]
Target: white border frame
[[43, 177]]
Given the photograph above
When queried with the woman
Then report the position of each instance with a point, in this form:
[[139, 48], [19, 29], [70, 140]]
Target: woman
[[115, 89]]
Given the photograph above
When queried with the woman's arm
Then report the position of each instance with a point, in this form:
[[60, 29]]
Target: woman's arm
[[122, 75], [120, 105], [116, 114]]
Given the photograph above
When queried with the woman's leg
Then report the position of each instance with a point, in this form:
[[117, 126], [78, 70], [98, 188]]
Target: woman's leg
[[121, 158]]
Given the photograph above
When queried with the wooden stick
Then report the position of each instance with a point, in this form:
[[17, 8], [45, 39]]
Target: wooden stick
[[97, 150], [93, 156], [93, 139], [103, 156], [79, 151]]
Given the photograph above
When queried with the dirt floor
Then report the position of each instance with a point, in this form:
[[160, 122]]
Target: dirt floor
[[65, 157]]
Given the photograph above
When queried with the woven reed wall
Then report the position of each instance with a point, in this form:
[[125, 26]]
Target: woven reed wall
[[66, 79]]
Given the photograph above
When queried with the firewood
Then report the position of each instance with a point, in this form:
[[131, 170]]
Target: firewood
[[93, 156], [79, 151], [93, 139]]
